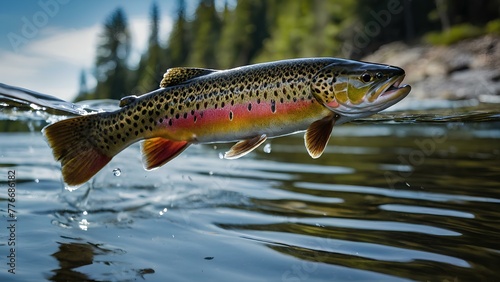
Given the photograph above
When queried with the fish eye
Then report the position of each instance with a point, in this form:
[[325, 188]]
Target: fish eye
[[379, 75], [366, 77]]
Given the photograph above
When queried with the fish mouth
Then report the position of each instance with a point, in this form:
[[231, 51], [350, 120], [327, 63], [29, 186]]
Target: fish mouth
[[390, 93], [381, 97]]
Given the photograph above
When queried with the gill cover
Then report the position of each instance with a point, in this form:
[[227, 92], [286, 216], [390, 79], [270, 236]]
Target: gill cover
[[345, 83]]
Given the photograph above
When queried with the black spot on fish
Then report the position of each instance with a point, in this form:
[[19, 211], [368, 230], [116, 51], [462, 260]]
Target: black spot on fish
[[151, 120], [222, 104], [158, 106], [185, 115], [177, 116], [230, 115], [195, 118], [161, 120], [122, 125], [258, 100], [273, 106], [135, 124], [170, 122], [249, 106], [136, 117]]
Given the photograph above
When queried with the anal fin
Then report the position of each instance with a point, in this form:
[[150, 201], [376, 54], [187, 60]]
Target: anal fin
[[244, 147], [158, 151], [318, 134]]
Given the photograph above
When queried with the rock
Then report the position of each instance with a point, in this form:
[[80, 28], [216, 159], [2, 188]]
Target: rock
[[469, 69]]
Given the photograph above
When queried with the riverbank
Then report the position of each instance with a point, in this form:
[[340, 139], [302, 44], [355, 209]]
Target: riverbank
[[466, 70]]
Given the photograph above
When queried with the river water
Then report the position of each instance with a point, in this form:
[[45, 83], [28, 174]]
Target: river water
[[411, 194]]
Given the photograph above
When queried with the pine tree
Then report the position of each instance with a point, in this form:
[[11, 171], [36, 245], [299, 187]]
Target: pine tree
[[149, 71], [83, 91], [179, 39], [243, 33], [206, 32], [113, 49]]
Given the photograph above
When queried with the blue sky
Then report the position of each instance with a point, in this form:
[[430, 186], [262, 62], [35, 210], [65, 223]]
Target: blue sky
[[44, 44]]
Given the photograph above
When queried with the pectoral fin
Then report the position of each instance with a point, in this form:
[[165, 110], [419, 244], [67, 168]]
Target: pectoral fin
[[158, 151], [318, 134], [244, 147]]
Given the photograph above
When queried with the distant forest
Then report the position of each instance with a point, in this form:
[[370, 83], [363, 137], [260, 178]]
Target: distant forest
[[263, 30]]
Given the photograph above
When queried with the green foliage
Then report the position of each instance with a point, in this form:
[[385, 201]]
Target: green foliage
[[493, 27], [453, 35]]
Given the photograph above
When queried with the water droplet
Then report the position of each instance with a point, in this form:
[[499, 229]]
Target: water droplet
[[267, 148], [83, 224], [210, 173], [37, 180], [221, 156], [85, 212], [117, 172], [407, 184], [215, 147]]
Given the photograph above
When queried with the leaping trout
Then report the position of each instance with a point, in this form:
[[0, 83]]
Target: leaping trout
[[246, 104]]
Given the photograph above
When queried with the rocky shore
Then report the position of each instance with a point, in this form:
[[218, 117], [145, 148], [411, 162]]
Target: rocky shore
[[469, 69]]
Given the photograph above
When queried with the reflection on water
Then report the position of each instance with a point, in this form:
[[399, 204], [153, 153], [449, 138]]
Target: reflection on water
[[410, 195]]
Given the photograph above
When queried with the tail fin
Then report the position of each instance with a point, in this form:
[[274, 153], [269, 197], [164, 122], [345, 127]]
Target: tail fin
[[73, 145]]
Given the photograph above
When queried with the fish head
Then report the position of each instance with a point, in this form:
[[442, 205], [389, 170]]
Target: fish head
[[354, 89]]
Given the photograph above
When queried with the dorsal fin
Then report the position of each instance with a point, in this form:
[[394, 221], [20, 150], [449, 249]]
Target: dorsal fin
[[175, 76], [127, 100]]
